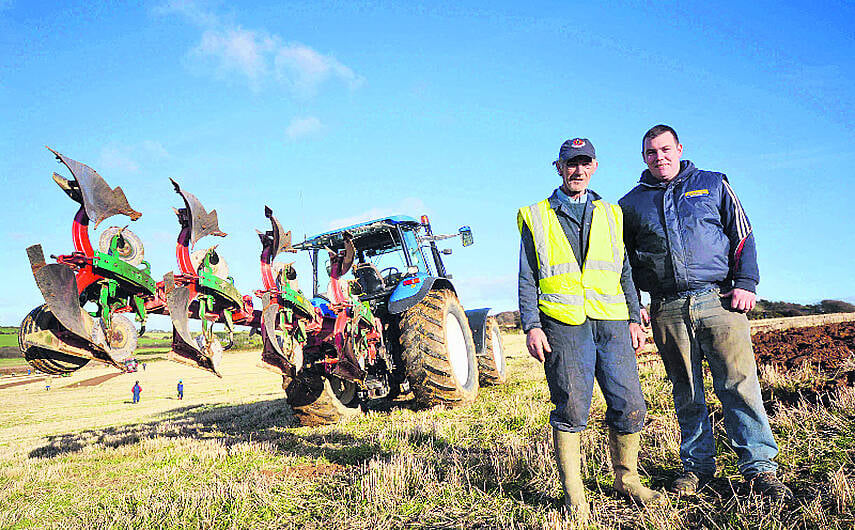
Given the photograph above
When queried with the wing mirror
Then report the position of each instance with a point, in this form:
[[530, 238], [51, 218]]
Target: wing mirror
[[466, 236]]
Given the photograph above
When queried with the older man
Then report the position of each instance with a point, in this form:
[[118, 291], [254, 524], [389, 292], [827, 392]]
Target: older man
[[576, 297], [692, 248]]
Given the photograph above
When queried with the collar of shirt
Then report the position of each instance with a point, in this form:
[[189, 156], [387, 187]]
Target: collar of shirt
[[566, 199]]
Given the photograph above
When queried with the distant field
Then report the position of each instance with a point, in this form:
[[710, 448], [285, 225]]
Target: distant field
[[230, 456], [12, 361], [9, 339]]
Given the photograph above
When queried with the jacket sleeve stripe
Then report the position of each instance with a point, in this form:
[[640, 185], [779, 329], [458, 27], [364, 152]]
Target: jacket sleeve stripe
[[742, 225], [741, 221], [737, 255]]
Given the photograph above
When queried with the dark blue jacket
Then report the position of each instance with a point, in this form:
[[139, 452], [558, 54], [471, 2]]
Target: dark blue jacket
[[688, 234], [577, 236]]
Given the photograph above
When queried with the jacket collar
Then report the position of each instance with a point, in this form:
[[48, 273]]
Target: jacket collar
[[686, 169]]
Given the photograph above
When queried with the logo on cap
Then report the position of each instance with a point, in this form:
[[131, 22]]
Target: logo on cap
[[578, 142]]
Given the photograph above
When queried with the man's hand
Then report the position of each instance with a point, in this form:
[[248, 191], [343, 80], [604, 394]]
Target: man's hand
[[638, 336], [740, 299], [645, 317], [537, 344]]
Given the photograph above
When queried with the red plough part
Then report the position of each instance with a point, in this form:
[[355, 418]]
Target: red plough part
[[203, 290], [287, 317]]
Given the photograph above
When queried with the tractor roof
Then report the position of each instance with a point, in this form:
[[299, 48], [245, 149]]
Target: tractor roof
[[379, 234]]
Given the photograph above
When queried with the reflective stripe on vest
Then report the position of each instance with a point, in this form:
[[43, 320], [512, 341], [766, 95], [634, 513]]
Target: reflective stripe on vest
[[567, 293]]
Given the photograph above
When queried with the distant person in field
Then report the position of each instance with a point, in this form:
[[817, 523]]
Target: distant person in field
[[137, 389], [180, 389], [580, 311], [692, 248]]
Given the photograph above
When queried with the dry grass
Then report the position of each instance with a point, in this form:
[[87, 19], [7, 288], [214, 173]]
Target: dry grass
[[229, 456]]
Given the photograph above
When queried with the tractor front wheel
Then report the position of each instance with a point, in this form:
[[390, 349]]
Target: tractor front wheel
[[438, 351]]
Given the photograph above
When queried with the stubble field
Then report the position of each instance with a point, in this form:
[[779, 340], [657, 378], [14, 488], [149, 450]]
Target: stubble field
[[230, 456]]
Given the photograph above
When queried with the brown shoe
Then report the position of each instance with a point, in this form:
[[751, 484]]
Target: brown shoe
[[769, 485], [688, 483]]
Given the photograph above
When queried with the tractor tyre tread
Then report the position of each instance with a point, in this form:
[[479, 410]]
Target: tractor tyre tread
[[425, 352]]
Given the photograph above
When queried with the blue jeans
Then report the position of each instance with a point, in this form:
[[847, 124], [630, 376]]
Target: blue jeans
[[688, 330], [600, 349]]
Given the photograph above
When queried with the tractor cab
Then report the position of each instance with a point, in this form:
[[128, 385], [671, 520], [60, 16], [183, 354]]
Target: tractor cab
[[394, 257]]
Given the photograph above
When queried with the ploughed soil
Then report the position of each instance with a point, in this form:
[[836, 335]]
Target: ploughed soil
[[830, 349], [13, 370], [95, 381], [20, 382]]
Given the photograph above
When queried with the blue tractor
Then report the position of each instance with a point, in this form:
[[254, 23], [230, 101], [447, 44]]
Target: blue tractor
[[431, 346]]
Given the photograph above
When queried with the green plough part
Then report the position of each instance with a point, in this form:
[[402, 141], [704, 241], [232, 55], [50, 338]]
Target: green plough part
[[207, 280], [124, 271]]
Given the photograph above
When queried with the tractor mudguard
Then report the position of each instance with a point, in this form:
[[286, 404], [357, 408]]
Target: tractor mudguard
[[406, 296], [202, 222], [59, 289], [184, 348], [91, 190], [478, 324]]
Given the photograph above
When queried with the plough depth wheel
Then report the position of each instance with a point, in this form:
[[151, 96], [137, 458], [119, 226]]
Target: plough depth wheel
[[130, 248], [122, 338], [318, 400]]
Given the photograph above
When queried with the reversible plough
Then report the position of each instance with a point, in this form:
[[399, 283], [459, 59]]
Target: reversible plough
[[334, 351]]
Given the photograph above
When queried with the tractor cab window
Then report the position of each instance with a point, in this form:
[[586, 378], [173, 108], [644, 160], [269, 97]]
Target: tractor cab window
[[392, 262], [416, 256], [323, 271]]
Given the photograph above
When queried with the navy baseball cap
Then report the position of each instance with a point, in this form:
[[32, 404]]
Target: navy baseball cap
[[576, 147]]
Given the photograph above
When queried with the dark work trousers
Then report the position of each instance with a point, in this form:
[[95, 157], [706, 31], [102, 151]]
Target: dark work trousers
[[595, 348]]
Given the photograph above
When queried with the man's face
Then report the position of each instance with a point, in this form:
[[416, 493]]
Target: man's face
[[662, 156], [576, 174]]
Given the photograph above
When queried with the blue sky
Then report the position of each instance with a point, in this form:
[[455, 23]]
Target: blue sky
[[332, 112]]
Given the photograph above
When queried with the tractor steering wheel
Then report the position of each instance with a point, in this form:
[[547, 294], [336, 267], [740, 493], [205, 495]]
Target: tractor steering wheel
[[392, 270]]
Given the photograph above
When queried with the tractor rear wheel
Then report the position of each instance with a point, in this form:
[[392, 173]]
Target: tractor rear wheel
[[317, 399], [492, 369], [438, 351], [48, 361]]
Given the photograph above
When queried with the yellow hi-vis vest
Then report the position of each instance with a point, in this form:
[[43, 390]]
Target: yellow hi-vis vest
[[567, 293]]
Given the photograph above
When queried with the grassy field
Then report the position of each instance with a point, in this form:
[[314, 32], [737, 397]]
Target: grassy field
[[229, 456], [8, 344]]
